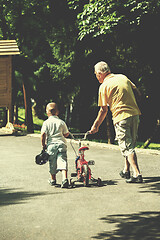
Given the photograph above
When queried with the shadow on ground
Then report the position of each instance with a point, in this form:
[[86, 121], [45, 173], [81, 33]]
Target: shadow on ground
[[152, 184], [104, 183], [140, 226], [14, 196]]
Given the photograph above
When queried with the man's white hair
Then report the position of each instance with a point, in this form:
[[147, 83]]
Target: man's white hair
[[101, 67]]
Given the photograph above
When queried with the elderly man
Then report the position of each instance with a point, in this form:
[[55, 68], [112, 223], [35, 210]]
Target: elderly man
[[116, 91]]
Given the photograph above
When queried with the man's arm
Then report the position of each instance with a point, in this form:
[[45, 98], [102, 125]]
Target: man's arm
[[101, 116], [136, 91], [137, 95]]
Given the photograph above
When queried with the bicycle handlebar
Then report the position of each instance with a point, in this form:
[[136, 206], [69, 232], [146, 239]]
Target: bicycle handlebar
[[80, 134]]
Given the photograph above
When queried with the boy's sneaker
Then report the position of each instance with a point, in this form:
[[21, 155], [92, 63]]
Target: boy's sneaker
[[65, 183], [125, 175], [52, 182], [137, 179]]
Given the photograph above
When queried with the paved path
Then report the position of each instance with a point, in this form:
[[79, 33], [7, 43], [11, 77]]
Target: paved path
[[30, 209]]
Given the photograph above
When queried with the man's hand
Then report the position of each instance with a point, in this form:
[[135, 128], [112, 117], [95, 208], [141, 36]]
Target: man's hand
[[94, 130], [101, 116]]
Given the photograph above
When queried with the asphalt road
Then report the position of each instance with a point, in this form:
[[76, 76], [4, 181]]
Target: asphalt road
[[30, 209]]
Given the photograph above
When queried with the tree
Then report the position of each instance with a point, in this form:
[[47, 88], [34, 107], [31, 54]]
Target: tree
[[60, 41], [46, 42], [119, 31]]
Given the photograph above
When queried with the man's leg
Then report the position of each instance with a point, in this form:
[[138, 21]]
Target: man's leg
[[125, 173], [137, 177], [132, 159], [126, 165], [122, 128], [126, 133]]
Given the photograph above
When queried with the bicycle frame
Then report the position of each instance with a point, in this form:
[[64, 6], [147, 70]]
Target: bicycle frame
[[80, 162], [83, 171]]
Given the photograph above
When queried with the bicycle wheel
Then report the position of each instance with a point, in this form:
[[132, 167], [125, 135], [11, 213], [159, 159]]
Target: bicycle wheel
[[85, 175]]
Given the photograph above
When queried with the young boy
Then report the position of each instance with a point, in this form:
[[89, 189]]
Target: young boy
[[53, 134]]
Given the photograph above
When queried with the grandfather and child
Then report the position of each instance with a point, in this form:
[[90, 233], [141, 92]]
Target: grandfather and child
[[115, 91]]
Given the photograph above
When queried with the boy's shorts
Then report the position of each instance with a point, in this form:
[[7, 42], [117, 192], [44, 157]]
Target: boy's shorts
[[57, 158], [126, 134]]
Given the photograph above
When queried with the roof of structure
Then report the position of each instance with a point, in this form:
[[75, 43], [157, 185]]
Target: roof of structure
[[8, 47]]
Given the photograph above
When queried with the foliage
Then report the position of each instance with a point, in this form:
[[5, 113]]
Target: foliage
[[61, 40], [46, 41], [97, 18], [21, 119], [101, 17]]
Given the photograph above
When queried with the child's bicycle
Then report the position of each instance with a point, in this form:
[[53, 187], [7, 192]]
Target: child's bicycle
[[83, 171]]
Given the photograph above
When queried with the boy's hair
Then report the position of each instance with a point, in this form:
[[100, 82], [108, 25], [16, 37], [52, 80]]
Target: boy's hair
[[52, 108], [101, 67]]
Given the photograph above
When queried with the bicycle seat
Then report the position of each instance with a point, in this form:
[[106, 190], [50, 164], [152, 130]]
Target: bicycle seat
[[83, 148]]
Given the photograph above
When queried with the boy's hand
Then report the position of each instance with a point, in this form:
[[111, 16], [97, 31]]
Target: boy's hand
[[66, 135], [44, 147]]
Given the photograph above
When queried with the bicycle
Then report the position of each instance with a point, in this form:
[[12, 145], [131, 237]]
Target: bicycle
[[83, 171]]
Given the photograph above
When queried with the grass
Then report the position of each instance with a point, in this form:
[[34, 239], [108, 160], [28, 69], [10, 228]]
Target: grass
[[38, 124], [155, 146], [36, 121]]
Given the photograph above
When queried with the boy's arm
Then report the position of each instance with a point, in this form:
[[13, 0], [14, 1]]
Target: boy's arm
[[65, 130], [43, 140]]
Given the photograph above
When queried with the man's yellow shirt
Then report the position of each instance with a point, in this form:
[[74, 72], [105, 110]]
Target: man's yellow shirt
[[116, 91]]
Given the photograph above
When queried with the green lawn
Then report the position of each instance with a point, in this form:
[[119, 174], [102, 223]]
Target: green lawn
[[36, 121], [155, 146]]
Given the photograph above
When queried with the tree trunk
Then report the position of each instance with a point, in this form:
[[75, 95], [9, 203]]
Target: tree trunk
[[28, 109], [155, 132], [16, 114]]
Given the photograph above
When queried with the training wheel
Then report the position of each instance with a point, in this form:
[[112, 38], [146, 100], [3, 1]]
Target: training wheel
[[71, 183]]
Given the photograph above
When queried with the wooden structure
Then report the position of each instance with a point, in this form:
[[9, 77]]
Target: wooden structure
[[7, 49]]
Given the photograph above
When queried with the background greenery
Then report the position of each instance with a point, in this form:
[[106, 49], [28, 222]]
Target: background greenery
[[61, 40], [38, 124]]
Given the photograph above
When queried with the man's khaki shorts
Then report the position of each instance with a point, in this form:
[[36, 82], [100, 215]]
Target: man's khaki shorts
[[126, 134]]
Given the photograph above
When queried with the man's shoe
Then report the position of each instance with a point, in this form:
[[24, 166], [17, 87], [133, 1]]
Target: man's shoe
[[52, 182], [125, 175], [65, 184], [137, 179]]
